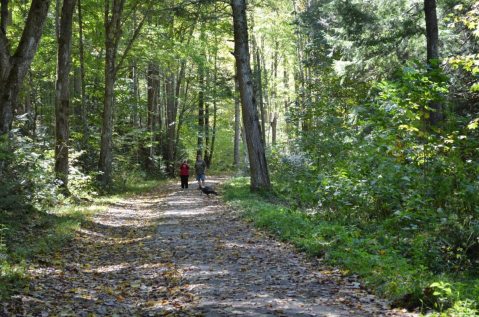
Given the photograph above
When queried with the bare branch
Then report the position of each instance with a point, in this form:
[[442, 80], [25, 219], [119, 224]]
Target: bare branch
[[133, 38]]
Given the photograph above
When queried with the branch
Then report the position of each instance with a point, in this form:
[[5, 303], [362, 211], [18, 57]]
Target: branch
[[133, 38]]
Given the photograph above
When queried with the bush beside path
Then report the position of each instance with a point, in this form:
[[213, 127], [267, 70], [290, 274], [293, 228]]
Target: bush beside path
[[178, 252]]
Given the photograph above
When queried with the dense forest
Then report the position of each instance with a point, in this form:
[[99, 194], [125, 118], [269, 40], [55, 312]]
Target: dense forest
[[360, 114]]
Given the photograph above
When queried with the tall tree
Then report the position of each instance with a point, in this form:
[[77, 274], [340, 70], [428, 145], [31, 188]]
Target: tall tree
[[237, 123], [259, 169], [432, 42], [84, 118], [113, 16], [153, 88], [62, 92], [14, 68], [171, 113], [201, 108]]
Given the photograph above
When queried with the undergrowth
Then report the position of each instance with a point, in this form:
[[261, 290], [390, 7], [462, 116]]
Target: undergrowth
[[397, 258]]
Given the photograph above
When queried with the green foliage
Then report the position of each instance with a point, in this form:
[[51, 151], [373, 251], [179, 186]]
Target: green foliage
[[27, 234], [399, 258], [402, 195]]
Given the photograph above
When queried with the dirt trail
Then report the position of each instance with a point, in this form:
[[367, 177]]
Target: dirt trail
[[177, 252]]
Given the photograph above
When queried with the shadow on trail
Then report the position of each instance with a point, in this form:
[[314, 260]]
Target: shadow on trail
[[180, 253]]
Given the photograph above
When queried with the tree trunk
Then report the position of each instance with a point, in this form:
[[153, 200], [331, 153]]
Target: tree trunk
[[113, 31], [3, 17], [207, 134], [245, 146], [179, 80], [84, 111], [184, 108], [213, 134], [161, 116], [259, 169], [112, 35], [135, 93], [14, 68], [62, 93], [286, 100], [274, 124], [211, 147], [153, 74], [237, 124], [432, 38], [260, 95], [106, 155], [171, 113], [201, 110]]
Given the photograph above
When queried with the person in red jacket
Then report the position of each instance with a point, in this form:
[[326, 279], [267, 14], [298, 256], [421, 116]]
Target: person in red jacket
[[184, 174]]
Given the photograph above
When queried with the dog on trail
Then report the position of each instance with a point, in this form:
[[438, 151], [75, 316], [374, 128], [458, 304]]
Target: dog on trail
[[208, 190]]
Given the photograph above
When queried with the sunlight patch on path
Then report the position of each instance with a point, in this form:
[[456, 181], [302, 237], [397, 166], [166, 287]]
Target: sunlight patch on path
[[239, 270], [180, 253]]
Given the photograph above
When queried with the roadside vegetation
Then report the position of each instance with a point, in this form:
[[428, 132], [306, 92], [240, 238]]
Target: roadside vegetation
[[420, 260], [37, 221]]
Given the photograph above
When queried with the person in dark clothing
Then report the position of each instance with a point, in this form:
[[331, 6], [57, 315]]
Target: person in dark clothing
[[200, 171], [184, 174]]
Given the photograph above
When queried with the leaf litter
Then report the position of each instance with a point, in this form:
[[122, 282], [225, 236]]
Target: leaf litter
[[173, 252]]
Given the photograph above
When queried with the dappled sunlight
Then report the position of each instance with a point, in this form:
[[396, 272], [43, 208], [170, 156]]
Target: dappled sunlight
[[121, 266], [100, 238], [186, 255]]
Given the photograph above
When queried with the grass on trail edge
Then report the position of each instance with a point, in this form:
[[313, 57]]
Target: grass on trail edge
[[29, 235], [358, 250]]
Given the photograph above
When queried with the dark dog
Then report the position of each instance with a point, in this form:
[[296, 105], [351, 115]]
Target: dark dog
[[208, 190]]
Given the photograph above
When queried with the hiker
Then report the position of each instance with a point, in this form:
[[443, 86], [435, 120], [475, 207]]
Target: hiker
[[184, 174], [200, 171]]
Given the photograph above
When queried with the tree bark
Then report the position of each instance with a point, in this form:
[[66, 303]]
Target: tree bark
[[171, 112], [184, 108], [84, 111], [113, 32], [213, 133], [207, 134], [215, 109], [286, 100], [153, 85], [14, 68], [432, 39], [237, 124], [259, 169], [260, 95], [274, 124], [201, 110], [4, 16], [62, 93], [179, 81]]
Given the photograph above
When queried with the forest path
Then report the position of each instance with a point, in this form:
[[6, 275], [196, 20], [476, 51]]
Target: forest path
[[173, 252]]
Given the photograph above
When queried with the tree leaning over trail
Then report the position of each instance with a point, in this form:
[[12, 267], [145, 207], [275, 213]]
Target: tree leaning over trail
[[62, 92], [259, 169], [14, 68]]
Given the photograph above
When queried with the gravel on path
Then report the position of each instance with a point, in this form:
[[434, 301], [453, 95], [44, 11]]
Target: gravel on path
[[174, 252]]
